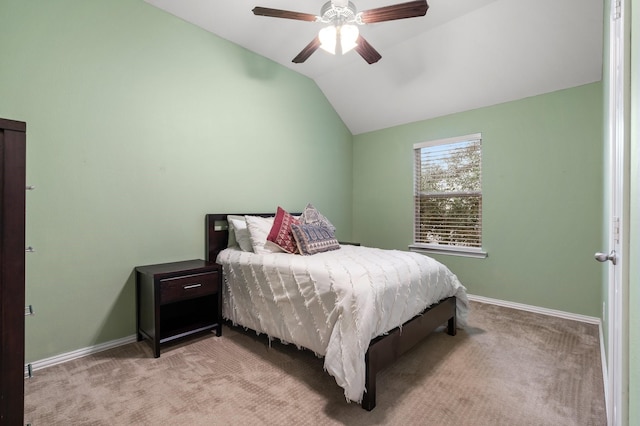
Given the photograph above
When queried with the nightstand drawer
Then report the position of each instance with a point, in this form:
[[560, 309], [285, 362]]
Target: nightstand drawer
[[187, 287]]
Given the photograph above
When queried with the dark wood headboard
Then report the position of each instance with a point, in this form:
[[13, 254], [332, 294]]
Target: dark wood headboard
[[216, 234]]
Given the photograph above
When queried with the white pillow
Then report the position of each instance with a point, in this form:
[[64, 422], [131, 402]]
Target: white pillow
[[238, 225], [259, 228], [231, 241]]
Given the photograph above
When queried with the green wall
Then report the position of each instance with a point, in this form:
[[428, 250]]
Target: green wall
[[137, 125], [542, 196]]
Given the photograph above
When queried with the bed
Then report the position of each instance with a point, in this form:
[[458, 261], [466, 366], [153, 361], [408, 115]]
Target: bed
[[360, 308]]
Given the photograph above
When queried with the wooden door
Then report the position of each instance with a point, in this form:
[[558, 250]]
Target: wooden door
[[12, 270]]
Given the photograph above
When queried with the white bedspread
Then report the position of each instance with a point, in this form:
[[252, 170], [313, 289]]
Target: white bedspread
[[334, 303]]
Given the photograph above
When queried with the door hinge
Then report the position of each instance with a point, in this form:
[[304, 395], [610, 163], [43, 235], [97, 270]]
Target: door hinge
[[28, 371], [617, 10]]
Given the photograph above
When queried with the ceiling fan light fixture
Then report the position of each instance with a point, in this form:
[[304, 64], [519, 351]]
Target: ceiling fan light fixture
[[348, 37], [343, 37], [328, 37]]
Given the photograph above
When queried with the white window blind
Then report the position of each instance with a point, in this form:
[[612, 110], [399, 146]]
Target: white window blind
[[448, 193]]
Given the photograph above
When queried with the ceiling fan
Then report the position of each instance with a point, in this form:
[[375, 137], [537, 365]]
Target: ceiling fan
[[341, 33]]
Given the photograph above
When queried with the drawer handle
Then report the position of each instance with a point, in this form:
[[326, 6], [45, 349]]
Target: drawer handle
[[187, 287]]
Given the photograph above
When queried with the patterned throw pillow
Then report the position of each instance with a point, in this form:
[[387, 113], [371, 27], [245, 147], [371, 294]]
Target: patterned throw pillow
[[311, 216], [312, 239], [281, 234]]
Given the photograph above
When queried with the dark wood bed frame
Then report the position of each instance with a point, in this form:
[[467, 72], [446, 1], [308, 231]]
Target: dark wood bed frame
[[383, 350]]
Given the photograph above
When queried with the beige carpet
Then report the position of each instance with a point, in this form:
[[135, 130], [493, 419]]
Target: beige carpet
[[507, 368]]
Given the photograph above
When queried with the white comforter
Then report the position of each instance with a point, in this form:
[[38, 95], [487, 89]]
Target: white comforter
[[334, 303]]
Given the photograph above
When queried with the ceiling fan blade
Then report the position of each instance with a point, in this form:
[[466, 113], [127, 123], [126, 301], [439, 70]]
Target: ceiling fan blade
[[307, 51], [278, 13], [411, 9], [367, 51]]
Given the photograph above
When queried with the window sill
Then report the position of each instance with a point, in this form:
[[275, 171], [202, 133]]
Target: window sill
[[453, 251]]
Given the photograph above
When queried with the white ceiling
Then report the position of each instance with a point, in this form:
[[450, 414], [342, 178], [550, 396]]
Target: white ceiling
[[463, 54]]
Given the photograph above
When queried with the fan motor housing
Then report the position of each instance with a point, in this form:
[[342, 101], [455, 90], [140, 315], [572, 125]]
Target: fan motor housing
[[336, 14]]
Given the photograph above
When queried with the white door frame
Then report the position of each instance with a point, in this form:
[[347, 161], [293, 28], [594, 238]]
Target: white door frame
[[618, 179]]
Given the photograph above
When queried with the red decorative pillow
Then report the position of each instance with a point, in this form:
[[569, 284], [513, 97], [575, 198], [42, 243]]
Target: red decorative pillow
[[281, 234]]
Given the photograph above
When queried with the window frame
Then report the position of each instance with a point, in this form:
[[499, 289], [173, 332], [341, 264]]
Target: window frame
[[431, 248]]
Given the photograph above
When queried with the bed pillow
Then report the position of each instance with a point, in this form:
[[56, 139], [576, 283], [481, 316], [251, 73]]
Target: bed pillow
[[311, 216], [239, 232], [231, 238], [259, 228], [312, 239], [280, 233], [232, 242]]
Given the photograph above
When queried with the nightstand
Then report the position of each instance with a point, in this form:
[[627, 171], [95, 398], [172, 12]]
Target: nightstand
[[175, 300]]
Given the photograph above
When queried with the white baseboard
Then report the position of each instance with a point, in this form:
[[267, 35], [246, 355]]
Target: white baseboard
[[79, 353], [536, 309]]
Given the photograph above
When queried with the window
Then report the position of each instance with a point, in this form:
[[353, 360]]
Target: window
[[448, 196]]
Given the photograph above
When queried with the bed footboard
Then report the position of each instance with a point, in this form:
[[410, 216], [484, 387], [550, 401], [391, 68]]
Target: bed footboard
[[384, 350]]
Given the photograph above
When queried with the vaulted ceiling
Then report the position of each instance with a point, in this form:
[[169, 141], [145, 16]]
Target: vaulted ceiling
[[462, 55]]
